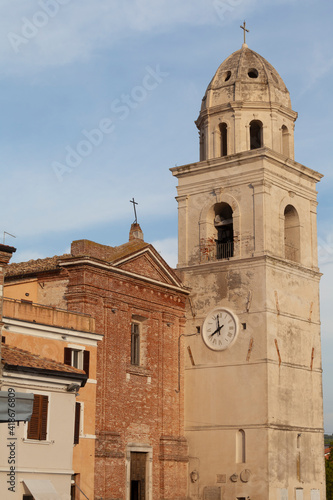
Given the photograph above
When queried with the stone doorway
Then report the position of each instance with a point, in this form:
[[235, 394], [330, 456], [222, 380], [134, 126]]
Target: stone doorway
[[138, 476]]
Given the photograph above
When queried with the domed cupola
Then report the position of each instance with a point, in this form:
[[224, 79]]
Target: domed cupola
[[246, 106]]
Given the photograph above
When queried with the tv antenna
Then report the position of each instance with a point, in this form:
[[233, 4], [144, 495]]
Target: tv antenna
[[4, 236]]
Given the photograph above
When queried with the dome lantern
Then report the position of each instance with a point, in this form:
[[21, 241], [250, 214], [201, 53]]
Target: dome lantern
[[246, 96]]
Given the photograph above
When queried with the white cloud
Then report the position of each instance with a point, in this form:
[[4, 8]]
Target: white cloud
[[75, 30]]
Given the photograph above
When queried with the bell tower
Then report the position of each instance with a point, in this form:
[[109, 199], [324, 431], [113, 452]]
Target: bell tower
[[248, 251]]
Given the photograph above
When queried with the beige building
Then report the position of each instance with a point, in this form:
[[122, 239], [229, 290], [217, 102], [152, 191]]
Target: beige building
[[69, 337], [51, 353], [248, 251], [36, 457]]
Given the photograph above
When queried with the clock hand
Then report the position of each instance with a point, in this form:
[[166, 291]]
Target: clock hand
[[212, 334], [217, 330], [220, 328]]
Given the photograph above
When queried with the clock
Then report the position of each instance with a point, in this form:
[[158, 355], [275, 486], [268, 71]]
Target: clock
[[220, 329]]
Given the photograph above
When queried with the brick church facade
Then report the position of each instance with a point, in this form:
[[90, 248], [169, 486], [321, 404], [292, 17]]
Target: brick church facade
[[138, 303]]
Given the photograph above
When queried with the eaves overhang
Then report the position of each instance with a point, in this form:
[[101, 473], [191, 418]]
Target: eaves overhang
[[48, 331], [82, 377]]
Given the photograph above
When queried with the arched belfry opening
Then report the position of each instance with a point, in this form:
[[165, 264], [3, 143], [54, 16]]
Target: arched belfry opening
[[256, 134], [291, 234], [224, 139], [223, 223]]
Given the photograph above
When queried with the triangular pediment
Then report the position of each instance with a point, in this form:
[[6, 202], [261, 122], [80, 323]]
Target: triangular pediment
[[150, 264]]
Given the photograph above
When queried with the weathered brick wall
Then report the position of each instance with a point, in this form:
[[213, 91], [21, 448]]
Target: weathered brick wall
[[135, 404], [91, 249], [141, 404]]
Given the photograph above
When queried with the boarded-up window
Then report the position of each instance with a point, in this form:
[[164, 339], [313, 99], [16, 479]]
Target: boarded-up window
[[285, 140], [37, 427], [291, 234], [299, 494], [240, 447]]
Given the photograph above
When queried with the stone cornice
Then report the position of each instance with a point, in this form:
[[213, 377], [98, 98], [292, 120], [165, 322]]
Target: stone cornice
[[237, 106], [246, 157], [245, 262]]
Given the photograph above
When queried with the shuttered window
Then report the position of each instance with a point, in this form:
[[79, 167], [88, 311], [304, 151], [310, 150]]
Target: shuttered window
[[37, 427], [77, 423], [135, 344], [86, 360]]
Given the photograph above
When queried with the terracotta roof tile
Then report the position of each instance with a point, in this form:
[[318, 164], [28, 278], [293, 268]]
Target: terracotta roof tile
[[33, 266], [13, 356], [127, 249], [111, 254]]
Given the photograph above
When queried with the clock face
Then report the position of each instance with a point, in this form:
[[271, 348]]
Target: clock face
[[219, 329]]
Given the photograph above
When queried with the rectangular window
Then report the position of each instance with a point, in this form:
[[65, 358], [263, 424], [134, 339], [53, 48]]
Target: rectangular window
[[78, 358], [135, 344], [37, 427]]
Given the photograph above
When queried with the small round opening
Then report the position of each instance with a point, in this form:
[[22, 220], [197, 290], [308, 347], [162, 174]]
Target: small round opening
[[227, 76], [253, 73]]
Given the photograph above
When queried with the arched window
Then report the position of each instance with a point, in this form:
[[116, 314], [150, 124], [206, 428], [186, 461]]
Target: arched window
[[256, 139], [291, 234], [224, 228], [224, 139], [285, 140], [240, 447]]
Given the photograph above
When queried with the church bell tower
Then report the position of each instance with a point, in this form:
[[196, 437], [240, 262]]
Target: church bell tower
[[248, 252]]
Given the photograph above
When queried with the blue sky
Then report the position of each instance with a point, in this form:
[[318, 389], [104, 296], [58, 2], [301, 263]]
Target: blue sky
[[138, 69]]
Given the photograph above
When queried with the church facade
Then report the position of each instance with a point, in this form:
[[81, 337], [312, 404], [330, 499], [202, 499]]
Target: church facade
[[209, 379], [138, 304], [248, 252]]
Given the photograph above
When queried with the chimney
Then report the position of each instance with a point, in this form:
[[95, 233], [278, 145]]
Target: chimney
[[5, 256], [135, 232]]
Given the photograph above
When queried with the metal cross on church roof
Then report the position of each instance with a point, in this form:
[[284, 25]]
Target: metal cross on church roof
[[134, 203], [245, 30]]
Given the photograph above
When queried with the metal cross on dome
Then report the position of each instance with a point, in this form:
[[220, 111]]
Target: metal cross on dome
[[136, 217], [245, 30]]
